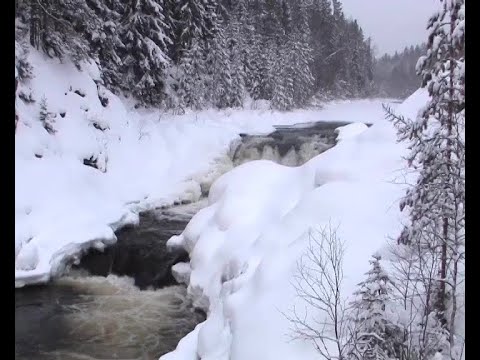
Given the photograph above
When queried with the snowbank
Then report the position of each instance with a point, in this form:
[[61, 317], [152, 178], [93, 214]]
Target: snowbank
[[245, 245], [143, 159], [351, 130]]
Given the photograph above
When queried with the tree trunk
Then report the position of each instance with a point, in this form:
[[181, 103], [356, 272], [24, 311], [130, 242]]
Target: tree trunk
[[16, 115], [443, 274]]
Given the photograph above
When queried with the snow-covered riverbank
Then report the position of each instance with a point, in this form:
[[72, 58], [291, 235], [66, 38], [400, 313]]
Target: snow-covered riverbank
[[245, 245], [144, 159]]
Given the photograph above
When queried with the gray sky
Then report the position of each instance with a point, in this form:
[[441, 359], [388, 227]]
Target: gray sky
[[392, 24]]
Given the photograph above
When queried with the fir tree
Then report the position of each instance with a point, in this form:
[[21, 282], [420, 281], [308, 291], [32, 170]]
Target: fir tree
[[219, 83], [301, 56], [107, 44], [193, 19], [398, 78], [283, 90], [436, 203], [322, 27], [61, 28], [46, 118], [145, 37], [192, 86], [238, 54], [376, 336]]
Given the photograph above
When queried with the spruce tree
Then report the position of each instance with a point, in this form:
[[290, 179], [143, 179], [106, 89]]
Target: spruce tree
[[257, 73], [436, 203], [145, 36], [106, 43], [283, 84], [219, 83], [238, 54], [193, 72], [322, 27], [301, 58], [46, 118], [193, 19], [376, 336], [247, 43], [283, 90]]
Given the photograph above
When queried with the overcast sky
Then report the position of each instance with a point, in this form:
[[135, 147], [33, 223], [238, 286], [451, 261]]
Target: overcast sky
[[392, 24]]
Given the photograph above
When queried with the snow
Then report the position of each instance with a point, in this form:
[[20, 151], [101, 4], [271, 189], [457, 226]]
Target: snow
[[186, 347], [245, 245], [145, 159], [350, 130]]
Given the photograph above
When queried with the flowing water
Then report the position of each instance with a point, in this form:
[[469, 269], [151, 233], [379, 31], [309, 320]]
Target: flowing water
[[98, 312], [124, 303], [93, 317], [288, 145]]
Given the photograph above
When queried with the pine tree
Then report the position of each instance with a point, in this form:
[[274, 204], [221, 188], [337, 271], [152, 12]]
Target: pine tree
[[258, 62], [145, 36], [284, 69], [394, 80], [193, 19], [301, 56], [45, 117], [272, 38], [22, 65], [238, 54], [192, 86], [436, 203], [106, 42], [283, 90], [368, 65], [61, 28], [247, 42], [356, 69], [376, 336], [219, 84], [341, 39], [356, 76], [322, 27]]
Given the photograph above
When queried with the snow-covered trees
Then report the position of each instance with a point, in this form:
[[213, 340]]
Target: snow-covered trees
[[192, 67], [375, 336], [395, 75], [301, 55], [193, 21], [145, 40], [59, 28], [106, 44], [436, 202], [428, 260], [282, 51], [46, 117]]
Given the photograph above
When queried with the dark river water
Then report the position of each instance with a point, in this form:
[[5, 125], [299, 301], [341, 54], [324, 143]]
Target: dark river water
[[111, 315]]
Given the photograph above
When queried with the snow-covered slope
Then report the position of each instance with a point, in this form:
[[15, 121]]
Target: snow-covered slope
[[144, 158], [245, 245]]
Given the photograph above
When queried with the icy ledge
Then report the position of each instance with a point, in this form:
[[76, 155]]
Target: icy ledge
[[31, 266]]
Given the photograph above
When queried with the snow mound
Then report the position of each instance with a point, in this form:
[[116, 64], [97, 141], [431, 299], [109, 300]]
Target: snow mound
[[245, 245], [350, 130]]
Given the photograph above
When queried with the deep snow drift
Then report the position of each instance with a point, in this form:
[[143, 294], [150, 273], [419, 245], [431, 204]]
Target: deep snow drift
[[245, 245], [143, 159]]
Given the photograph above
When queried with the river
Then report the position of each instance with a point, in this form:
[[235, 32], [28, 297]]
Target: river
[[124, 303]]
